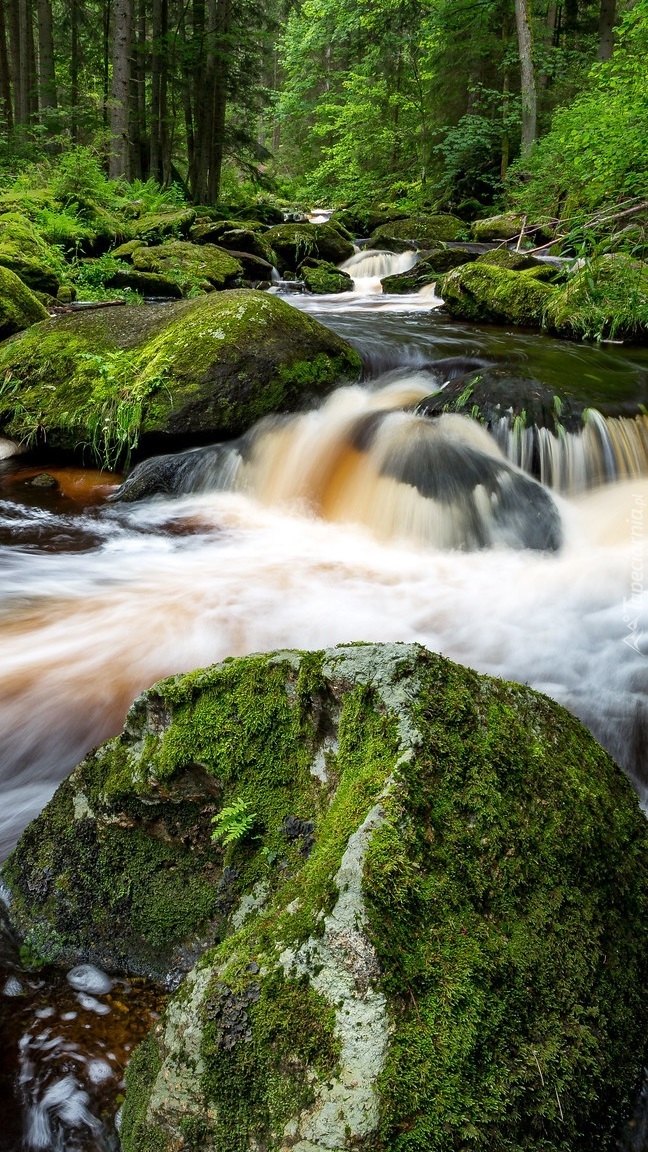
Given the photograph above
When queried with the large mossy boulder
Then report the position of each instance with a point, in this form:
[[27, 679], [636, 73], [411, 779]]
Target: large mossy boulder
[[24, 252], [486, 294], [606, 298], [424, 231], [192, 371], [19, 308], [428, 929], [191, 265], [293, 243]]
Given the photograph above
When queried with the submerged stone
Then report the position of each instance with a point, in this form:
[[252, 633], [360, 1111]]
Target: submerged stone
[[430, 934]]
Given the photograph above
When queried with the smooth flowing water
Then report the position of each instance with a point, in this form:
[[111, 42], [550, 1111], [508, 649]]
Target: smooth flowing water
[[309, 538]]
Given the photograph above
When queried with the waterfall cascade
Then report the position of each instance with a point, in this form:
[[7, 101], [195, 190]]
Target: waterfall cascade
[[368, 267]]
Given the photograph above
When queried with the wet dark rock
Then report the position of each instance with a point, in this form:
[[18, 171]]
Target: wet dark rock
[[43, 480], [491, 394]]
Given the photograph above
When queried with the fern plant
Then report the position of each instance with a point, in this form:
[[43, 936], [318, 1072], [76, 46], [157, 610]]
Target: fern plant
[[233, 823]]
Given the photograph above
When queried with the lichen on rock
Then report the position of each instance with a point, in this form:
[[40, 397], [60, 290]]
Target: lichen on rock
[[443, 943]]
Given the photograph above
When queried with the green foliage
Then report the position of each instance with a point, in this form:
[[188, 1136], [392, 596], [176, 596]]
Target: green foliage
[[90, 277], [595, 151], [233, 823], [606, 299]]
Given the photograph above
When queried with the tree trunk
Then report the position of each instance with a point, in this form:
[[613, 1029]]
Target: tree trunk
[[106, 61], [527, 76], [46, 74], [14, 60], [32, 79], [6, 103], [22, 96], [220, 11], [137, 134], [74, 68], [607, 16], [119, 118]]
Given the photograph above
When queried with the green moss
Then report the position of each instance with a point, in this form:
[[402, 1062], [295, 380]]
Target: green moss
[[491, 295], [191, 266], [323, 278], [514, 261], [156, 227], [291, 244], [505, 891], [608, 298], [425, 231], [19, 308], [255, 1086], [499, 929], [211, 366], [136, 1134], [506, 226]]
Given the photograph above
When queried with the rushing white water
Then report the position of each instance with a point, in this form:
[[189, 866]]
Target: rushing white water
[[83, 634], [368, 267], [607, 449]]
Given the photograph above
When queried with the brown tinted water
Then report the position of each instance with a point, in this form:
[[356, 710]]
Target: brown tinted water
[[315, 547]]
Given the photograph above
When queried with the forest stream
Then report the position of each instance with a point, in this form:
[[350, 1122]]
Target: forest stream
[[310, 537]]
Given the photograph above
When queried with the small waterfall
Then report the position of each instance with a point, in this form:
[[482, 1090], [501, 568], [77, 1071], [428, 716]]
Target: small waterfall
[[364, 458], [367, 268], [428, 292], [607, 449]]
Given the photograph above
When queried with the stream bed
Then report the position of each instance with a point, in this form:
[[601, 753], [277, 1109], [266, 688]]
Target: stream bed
[[99, 600]]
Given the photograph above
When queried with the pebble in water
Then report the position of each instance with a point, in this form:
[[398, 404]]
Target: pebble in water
[[89, 978]]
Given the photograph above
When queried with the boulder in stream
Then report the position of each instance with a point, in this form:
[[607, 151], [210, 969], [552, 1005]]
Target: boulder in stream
[[485, 294], [167, 375], [293, 243], [427, 929]]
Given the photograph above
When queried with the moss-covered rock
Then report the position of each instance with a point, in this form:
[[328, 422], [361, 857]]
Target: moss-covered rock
[[190, 265], [490, 295], [430, 934], [156, 227], [503, 227], [514, 261], [125, 251], [607, 298], [146, 283], [24, 252], [19, 308], [324, 278], [425, 231], [240, 240], [362, 219], [293, 243], [208, 231], [199, 369]]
